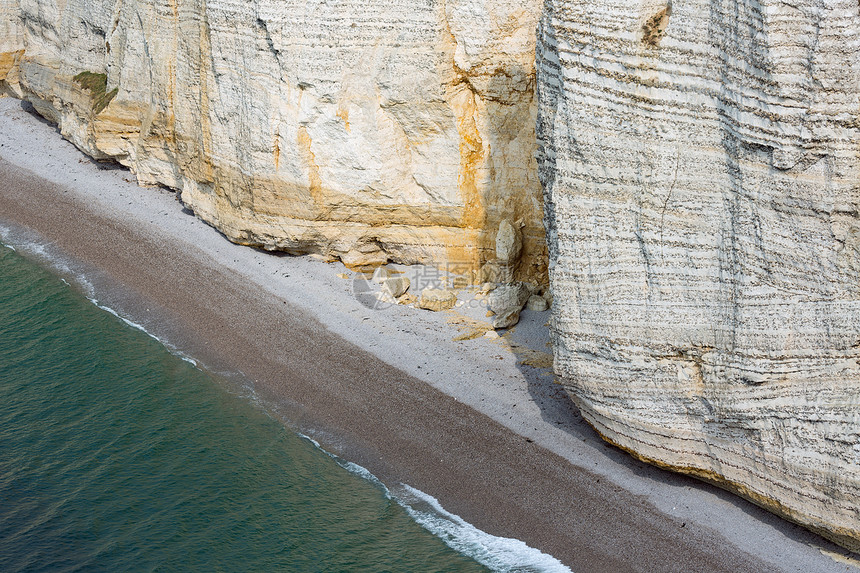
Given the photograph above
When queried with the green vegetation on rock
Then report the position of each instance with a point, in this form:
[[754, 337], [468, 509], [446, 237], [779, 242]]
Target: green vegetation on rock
[[97, 86]]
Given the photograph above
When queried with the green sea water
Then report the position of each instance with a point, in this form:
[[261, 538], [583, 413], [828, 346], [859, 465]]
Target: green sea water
[[116, 455]]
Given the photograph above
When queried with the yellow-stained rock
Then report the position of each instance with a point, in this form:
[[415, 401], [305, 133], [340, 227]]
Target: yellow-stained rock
[[437, 299], [306, 128]]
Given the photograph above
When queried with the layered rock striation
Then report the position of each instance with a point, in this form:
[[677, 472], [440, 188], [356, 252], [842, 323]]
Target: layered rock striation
[[701, 166], [370, 131]]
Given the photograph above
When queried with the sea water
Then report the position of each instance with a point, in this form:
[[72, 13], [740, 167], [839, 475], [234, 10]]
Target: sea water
[[118, 455]]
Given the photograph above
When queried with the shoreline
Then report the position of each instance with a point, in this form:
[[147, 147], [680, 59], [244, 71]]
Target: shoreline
[[496, 442]]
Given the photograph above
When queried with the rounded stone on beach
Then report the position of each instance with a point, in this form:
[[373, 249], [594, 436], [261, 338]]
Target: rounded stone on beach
[[509, 298], [506, 320], [537, 303], [437, 299], [396, 286]]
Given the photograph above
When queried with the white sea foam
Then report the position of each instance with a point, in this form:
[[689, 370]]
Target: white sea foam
[[4, 237], [500, 554], [497, 553], [364, 473], [131, 323], [25, 243], [313, 441], [59, 266], [170, 348]]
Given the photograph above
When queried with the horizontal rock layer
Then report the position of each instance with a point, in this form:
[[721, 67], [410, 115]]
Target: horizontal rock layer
[[701, 165], [365, 130]]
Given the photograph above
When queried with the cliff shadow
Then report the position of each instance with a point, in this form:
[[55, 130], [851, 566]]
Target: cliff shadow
[[100, 164], [30, 109], [529, 339]]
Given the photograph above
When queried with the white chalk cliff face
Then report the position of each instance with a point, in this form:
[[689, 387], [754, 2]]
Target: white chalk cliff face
[[701, 165], [367, 130]]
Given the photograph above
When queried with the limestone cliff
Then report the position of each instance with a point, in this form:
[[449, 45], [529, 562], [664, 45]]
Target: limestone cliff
[[367, 130], [701, 165]]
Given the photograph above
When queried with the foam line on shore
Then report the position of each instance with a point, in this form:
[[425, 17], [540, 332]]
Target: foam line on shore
[[143, 329], [500, 554], [24, 244], [497, 553], [56, 264]]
